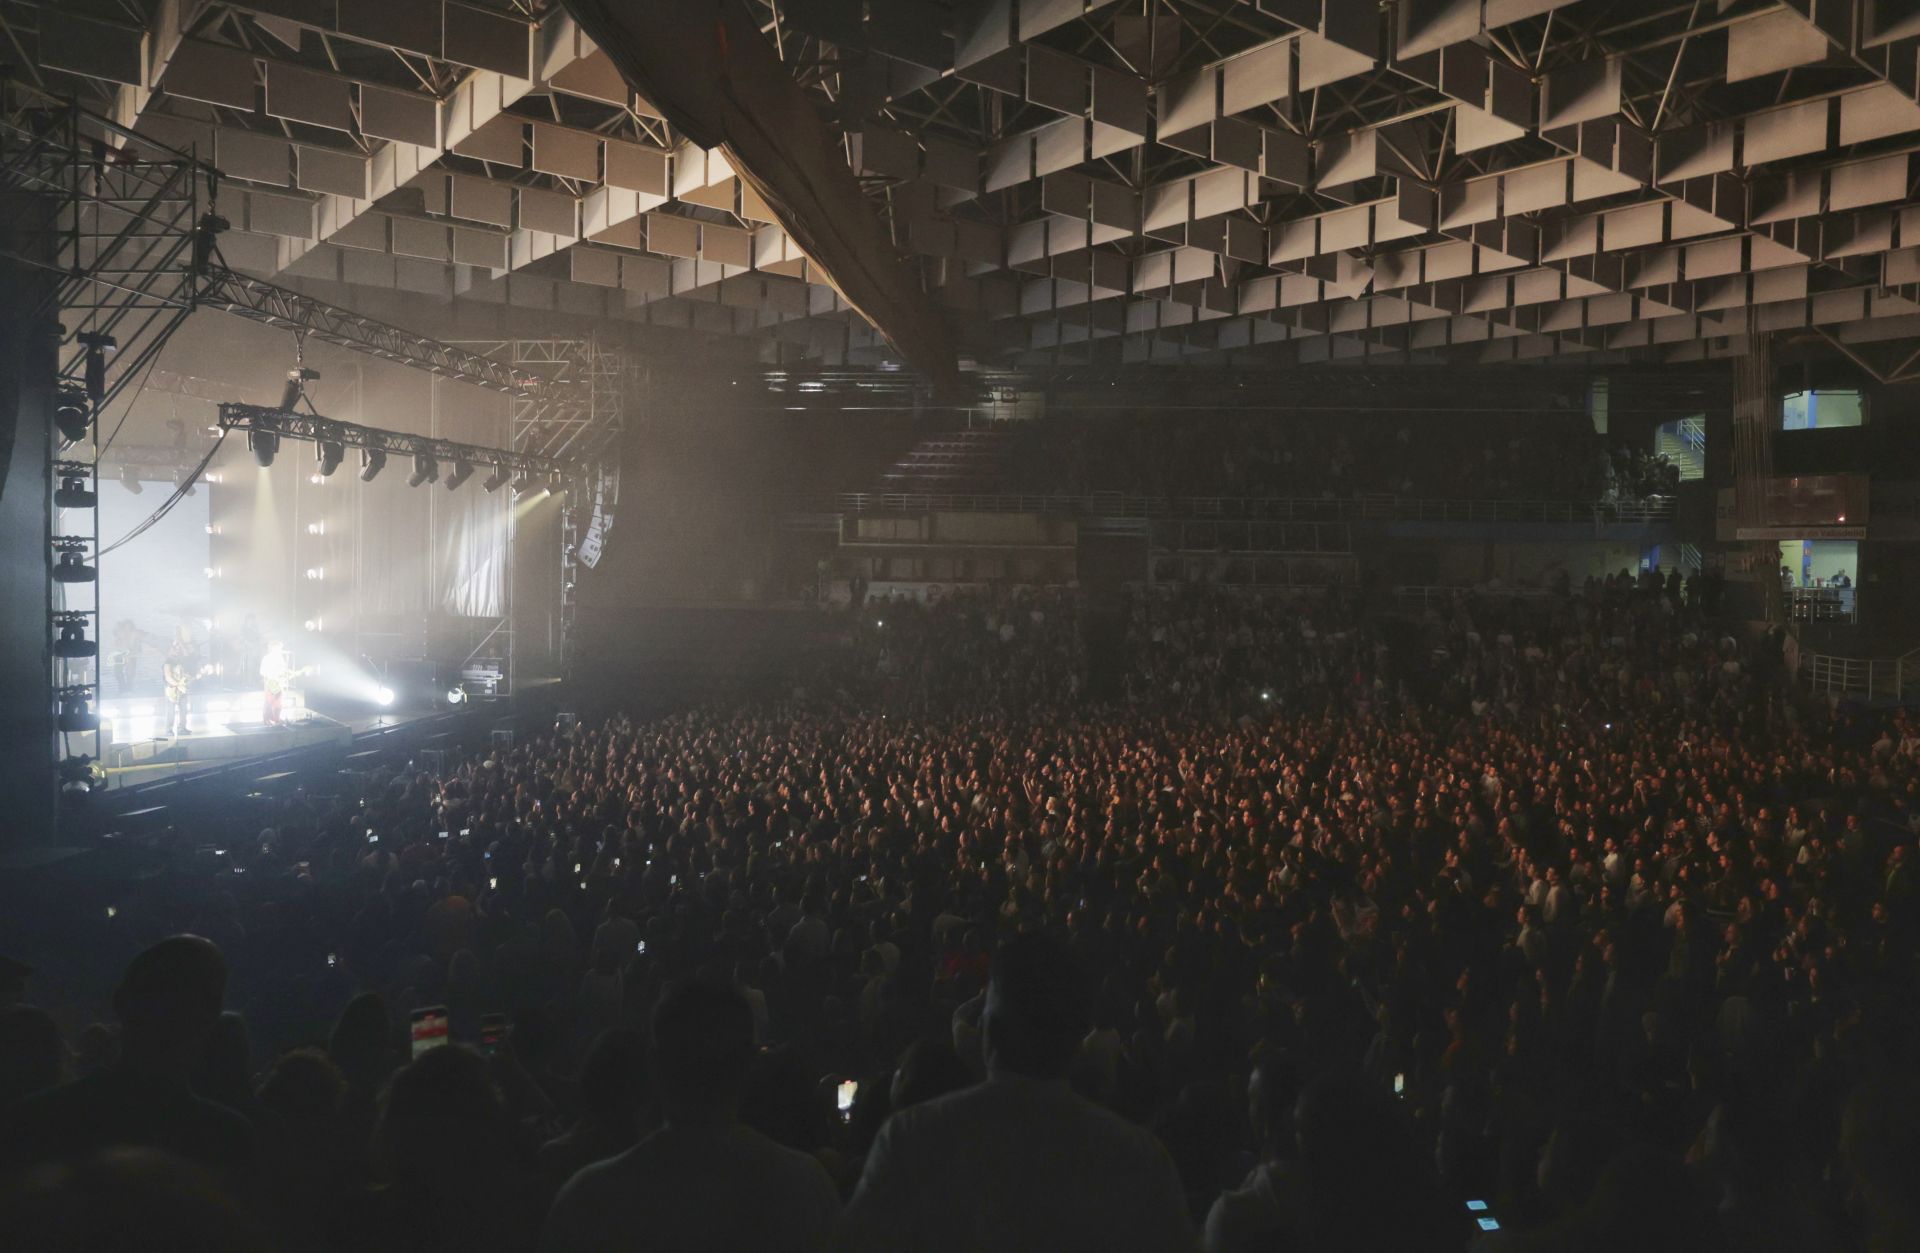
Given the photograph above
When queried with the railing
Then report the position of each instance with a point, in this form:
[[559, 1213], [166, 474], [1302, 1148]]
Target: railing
[[1893, 678], [1267, 508]]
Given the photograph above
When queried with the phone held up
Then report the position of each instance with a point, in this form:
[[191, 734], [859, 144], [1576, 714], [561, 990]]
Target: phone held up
[[429, 1028]]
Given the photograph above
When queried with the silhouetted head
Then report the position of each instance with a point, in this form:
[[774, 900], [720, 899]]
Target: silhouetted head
[[928, 1068], [613, 1079], [168, 1002], [1035, 1012], [702, 1047]]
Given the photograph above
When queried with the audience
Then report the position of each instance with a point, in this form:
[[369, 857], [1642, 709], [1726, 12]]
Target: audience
[[996, 921], [703, 1180], [1020, 1162]]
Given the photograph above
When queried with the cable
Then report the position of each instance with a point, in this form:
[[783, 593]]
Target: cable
[[127, 412], [166, 506]]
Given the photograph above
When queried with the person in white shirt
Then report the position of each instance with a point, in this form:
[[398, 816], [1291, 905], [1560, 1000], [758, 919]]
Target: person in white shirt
[[704, 1181], [1021, 1162]]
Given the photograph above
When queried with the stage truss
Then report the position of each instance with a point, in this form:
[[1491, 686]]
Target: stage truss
[[131, 229]]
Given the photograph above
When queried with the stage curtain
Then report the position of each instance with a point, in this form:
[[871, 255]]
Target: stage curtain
[[470, 526]]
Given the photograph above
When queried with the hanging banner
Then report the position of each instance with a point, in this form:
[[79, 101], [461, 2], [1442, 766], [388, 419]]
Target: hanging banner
[[606, 495]]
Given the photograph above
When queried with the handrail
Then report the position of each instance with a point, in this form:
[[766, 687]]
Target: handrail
[[1266, 508], [1873, 676]]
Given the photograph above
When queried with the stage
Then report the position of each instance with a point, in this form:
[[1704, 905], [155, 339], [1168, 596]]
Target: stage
[[223, 732]]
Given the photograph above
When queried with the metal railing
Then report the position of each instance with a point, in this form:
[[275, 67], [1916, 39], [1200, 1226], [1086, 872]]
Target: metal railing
[[1267, 508], [1876, 678]]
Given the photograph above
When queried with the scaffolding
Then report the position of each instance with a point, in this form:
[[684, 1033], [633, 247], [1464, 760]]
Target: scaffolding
[[128, 231]]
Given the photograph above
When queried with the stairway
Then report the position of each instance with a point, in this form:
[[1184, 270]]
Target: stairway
[[951, 462], [1684, 443]]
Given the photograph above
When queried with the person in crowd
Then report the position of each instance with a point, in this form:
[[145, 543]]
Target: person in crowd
[[168, 1004], [613, 1108], [703, 1180], [1021, 1161]]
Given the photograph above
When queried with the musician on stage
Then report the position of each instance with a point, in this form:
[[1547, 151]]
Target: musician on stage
[[177, 672], [276, 671]]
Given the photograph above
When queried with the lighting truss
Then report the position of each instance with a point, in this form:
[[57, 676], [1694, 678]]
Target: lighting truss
[[260, 301], [312, 428]]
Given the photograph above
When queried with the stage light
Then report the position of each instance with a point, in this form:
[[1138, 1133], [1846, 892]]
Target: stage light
[[457, 694], [316, 528], [264, 445], [296, 387], [73, 643], [316, 573], [213, 572], [73, 493], [383, 697], [215, 477], [425, 470], [75, 716], [79, 776], [462, 471], [98, 345], [72, 568], [130, 479], [497, 480], [72, 414], [213, 529], [316, 479], [522, 485], [330, 455], [315, 624], [372, 461]]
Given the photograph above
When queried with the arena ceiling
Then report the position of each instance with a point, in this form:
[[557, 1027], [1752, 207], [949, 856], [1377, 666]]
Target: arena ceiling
[[1075, 182]]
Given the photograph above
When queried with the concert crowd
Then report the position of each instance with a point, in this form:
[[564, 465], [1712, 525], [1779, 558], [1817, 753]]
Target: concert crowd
[[1555, 922]]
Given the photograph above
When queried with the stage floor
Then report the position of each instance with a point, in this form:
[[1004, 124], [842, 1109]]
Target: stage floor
[[150, 760]]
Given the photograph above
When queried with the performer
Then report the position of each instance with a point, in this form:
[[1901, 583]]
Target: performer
[[178, 672], [276, 672]]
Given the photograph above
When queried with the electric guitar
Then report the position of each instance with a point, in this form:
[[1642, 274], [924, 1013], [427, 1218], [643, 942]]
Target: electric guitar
[[179, 680], [277, 684]]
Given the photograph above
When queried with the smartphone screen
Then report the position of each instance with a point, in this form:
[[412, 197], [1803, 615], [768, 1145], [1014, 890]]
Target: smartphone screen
[[1399, 1084], [429, 1029], [493, 1029], [849, 1088]]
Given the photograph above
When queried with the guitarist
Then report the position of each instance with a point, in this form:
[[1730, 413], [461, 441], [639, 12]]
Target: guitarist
[[276, 672], [178, 673]]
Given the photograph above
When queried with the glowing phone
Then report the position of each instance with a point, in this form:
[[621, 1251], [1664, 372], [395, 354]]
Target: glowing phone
[[849, 1089], [429, 1029]]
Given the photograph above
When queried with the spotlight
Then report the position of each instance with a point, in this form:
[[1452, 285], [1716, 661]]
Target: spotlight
[[76, 716], [457, 695], [522, 485], [213, 572], [72, 414], [296, 387], [98, 345], [315, 624], [383, 697], [72, 568], [372, 461], [316, 528], [425, 470], [462, 471], [263, 445], [130, 479], [497, 480], [73, 492], [79, 776], [330, 455], [316, 573], [73, 643]]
